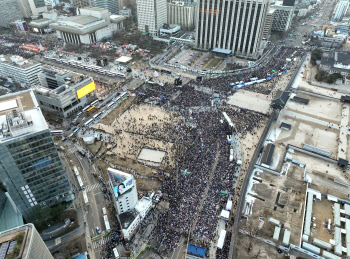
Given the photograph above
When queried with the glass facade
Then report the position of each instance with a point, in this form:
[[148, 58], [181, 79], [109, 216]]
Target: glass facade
[[32, 173]]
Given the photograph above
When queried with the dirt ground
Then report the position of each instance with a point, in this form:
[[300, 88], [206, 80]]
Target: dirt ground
[[118, 110], [147, 185], [137, 128], [251, 101], [258, 250]]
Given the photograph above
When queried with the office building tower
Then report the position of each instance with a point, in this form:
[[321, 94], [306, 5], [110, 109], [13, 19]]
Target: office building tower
[[288, 2], [181, 14], [268, 24], [11, 13], [340, 9], [282, 17], [30, 168], [31, 8], [81, 3], [23, 242], [111, 5], [125, 192], [10, 216], [151, 15], [231, 25], [63, 92], [19, 69]]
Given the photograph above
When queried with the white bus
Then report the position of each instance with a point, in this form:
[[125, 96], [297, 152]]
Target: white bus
[[104, 211], [56, 132], [94, 103], [105, 219], [116, 254], [86, 124], [76, 170], [86, 108], [86, 200], [80, 182], [110, 104], [96, 115]]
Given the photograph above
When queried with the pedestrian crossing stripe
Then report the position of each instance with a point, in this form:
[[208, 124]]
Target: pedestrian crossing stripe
[[93, 187], [101, 242]]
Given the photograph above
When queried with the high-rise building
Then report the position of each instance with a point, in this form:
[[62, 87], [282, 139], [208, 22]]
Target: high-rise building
[[340, 9], [11, 13], [235, 25], [111, 5], [63, 92], [10, 216], [20, 70], [282, 17], [81, 3], [125, 192], [288, 2], [24, 242], [268, 24], [30, 168], [181, 14], [151, 15], [31, 8]]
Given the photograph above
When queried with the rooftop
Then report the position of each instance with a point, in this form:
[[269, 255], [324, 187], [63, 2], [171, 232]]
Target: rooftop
[[19, 237], [142, 204], [127, 218], [81, 24], [40, 23], [20, 115], [17, 61]]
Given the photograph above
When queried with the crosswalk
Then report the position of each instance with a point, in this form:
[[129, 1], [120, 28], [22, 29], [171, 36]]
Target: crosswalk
[[98, 243], [93, 187]]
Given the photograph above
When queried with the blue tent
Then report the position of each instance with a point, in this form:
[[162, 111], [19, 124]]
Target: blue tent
[[195, 250]]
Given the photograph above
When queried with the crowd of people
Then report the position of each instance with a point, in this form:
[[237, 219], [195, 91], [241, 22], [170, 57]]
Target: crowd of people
[[277, 63]]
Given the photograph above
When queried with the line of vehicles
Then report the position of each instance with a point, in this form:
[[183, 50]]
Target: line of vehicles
[[92, 68], [117, 100], [255, 80]]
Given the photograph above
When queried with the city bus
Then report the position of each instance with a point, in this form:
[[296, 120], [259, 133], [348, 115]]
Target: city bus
[[81, 185], [110, 104], [86, 200], [86, 124], [86, 108], [76, 170], [105, 219], [56, 132], [116, 254], [91, 109], [74, 132], [94, 103], [97, 115]]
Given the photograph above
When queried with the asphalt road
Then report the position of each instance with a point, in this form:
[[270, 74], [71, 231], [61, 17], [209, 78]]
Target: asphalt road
[[314, 23]]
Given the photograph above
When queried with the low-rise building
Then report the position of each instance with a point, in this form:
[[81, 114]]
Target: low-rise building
[[169, 29], [125, 12], [336, 62], [143, 206], [42, 25], [20, 70], [92, 25], [63, 92]]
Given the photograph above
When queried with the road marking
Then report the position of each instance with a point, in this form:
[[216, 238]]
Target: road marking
[[97, 193]]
